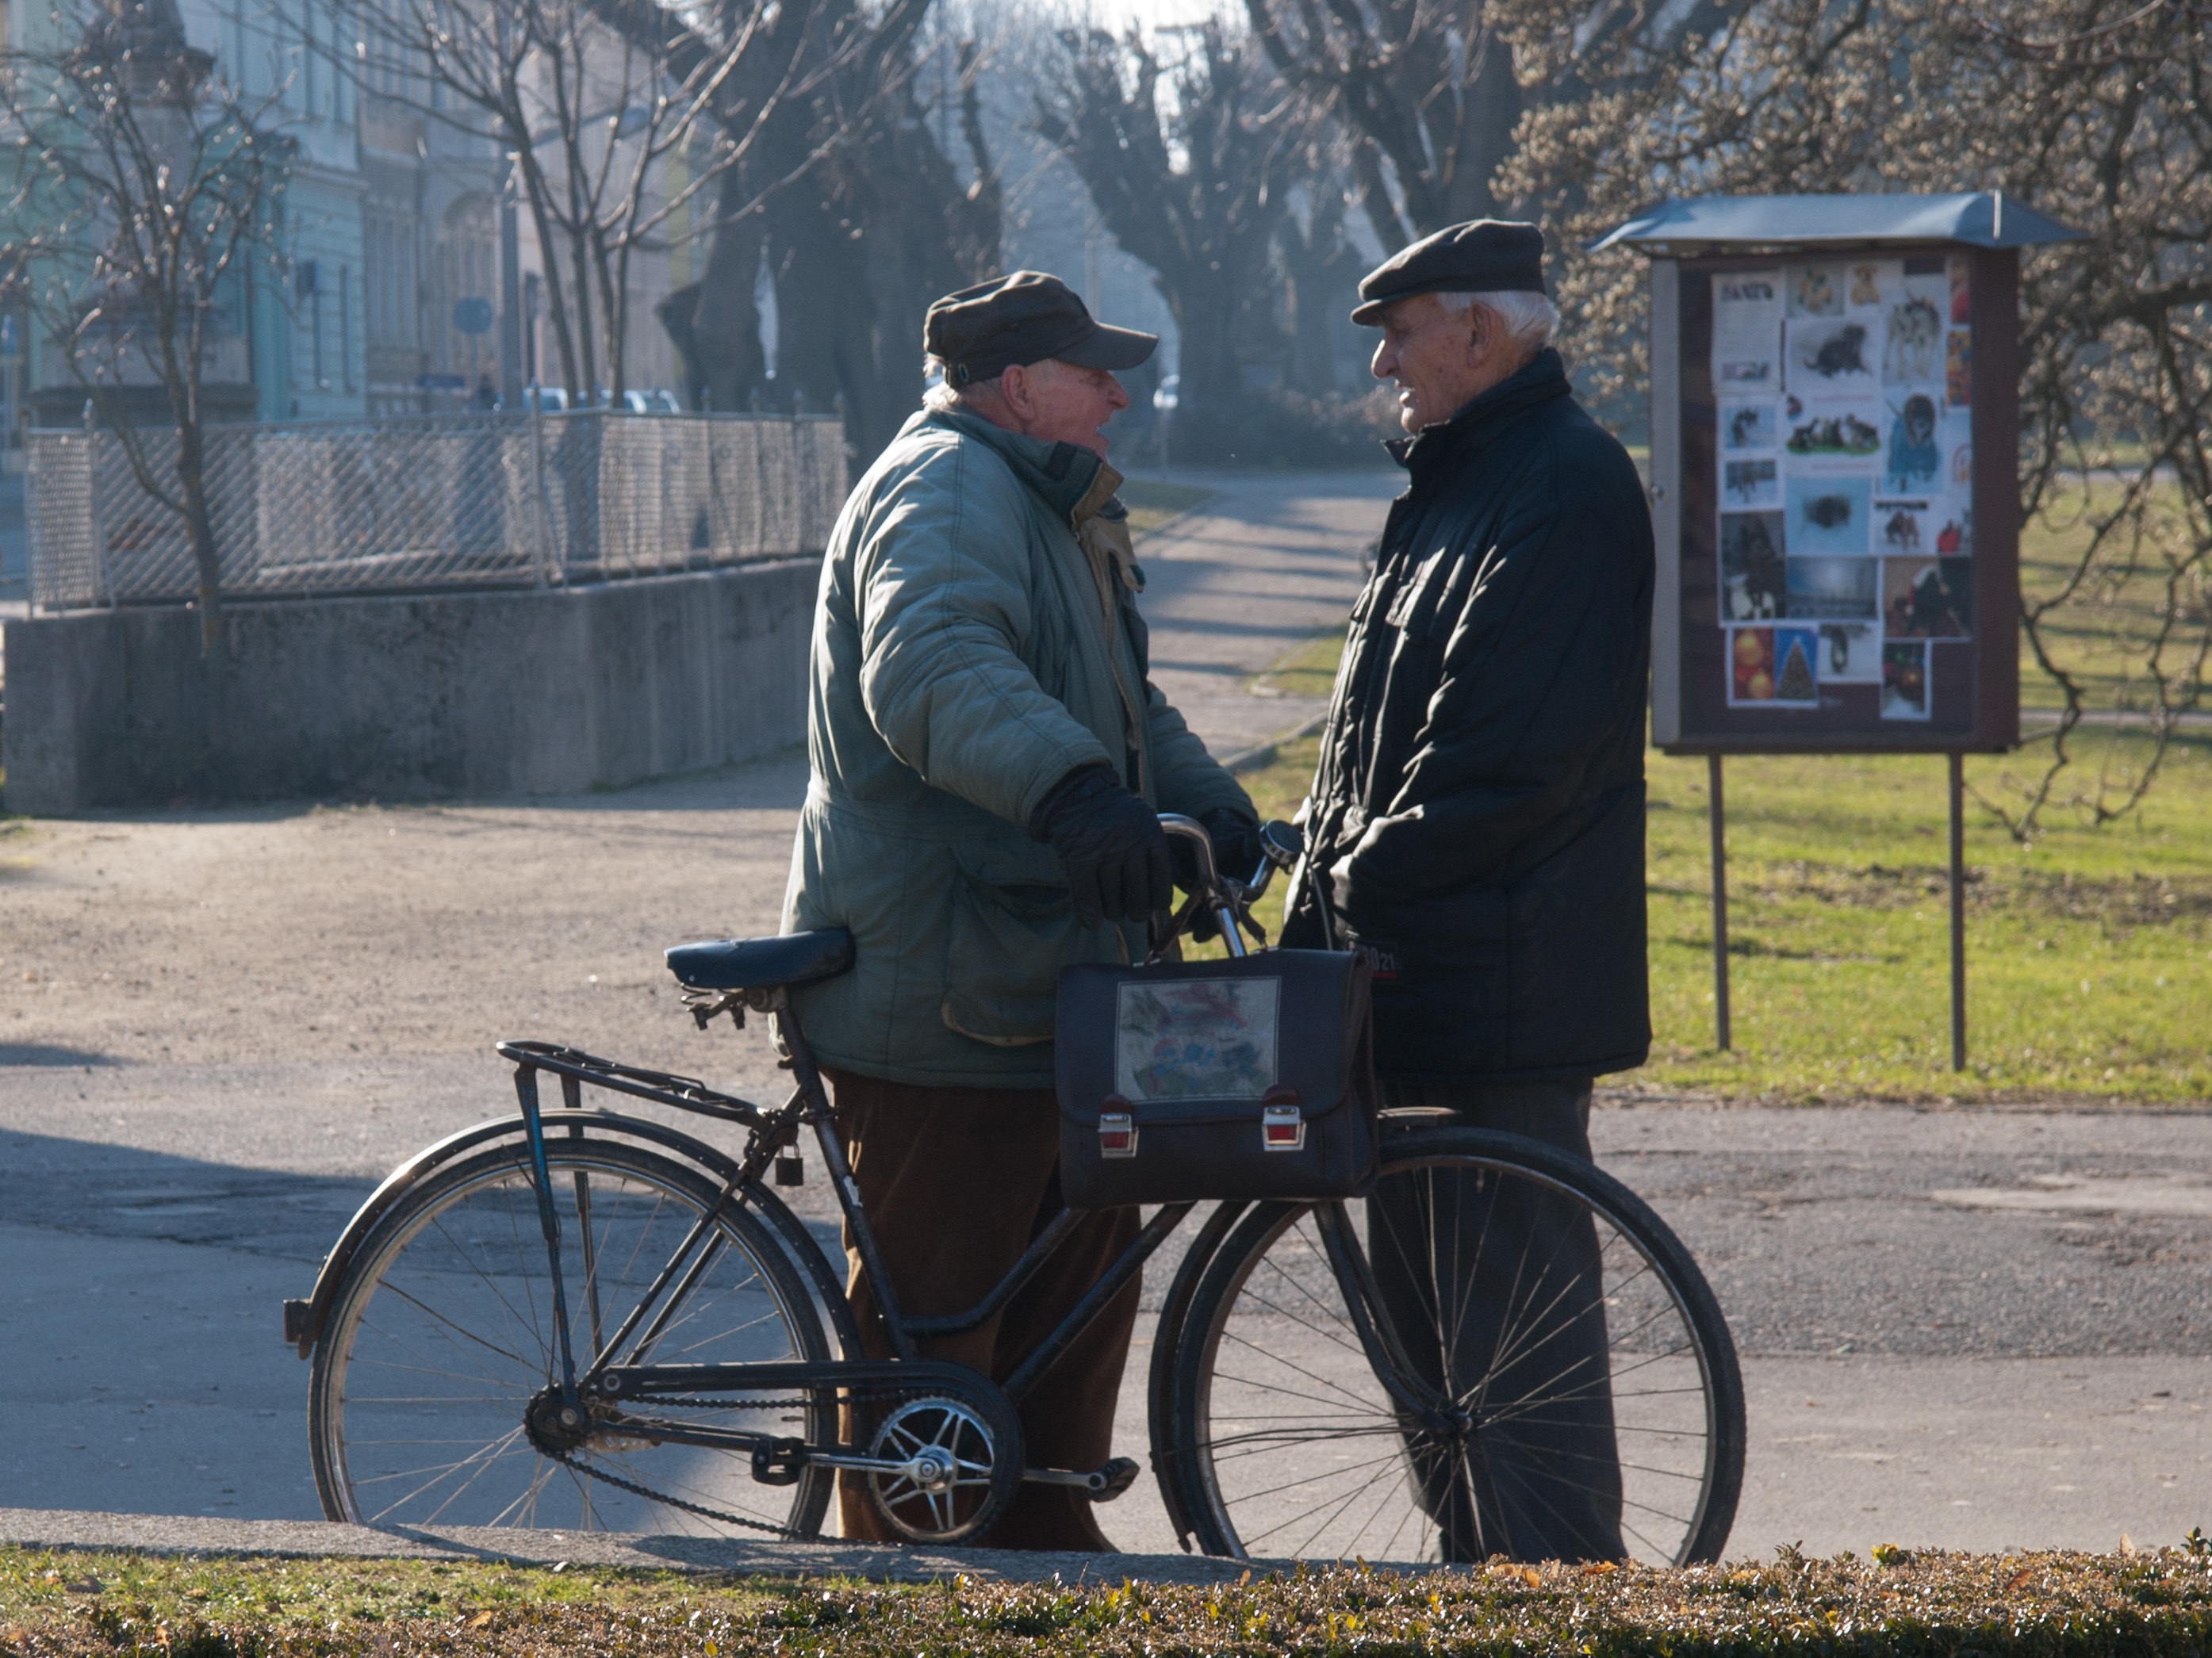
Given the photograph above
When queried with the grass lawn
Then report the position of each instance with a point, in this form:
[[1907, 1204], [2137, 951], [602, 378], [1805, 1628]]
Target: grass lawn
[[2154, 1600], [2101, 637], [2089, 952]]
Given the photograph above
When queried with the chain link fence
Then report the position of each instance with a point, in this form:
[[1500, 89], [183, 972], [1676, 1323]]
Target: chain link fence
[[466, 500]]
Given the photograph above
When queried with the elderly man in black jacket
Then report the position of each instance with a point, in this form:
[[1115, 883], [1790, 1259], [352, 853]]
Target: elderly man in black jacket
[[1476, 825]]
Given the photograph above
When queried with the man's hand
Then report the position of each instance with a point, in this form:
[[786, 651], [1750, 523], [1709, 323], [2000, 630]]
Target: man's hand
[[1236, 850], [1234, 840], [1111, 845]]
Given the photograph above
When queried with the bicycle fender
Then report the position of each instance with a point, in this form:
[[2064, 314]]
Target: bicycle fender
[[1167, 1339], [303, 1318]]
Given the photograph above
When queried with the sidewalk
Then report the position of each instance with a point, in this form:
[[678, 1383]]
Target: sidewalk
[[1245, 577]]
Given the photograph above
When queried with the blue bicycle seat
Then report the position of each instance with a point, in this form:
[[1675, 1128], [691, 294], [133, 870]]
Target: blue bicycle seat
[[793, 958]]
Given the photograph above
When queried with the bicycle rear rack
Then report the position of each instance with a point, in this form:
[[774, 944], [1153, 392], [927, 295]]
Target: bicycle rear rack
[[574, 1065]]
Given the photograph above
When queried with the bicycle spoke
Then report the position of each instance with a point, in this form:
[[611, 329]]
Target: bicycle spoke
[[1577, 1416]]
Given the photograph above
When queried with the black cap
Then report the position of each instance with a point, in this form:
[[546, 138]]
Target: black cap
[[1025, 317], [1484, 256]]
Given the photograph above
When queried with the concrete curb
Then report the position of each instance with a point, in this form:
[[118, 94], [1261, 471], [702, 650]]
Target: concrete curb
[[154, 1534], [1260, 755]]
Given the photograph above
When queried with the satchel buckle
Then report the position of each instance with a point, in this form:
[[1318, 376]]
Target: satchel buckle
[[1117, 1134], [1282, 1128]]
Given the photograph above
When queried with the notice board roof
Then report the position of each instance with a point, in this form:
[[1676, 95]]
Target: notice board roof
[[1977, 218]]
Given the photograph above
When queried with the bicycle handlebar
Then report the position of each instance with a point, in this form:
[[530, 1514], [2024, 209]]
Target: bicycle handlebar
[[1229, 900]]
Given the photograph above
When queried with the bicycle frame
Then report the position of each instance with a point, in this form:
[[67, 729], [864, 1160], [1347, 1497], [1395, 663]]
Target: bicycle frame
[[608, 1373]]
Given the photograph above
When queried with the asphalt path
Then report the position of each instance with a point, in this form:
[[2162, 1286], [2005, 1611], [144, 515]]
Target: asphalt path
[[1960, 1327]]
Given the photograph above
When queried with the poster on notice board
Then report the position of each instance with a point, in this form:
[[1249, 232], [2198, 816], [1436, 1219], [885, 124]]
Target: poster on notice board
[[1844, 526]]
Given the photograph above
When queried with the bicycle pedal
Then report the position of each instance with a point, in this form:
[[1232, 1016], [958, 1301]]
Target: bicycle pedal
[[1110, 1481], [779, 1461], [790, 1169]]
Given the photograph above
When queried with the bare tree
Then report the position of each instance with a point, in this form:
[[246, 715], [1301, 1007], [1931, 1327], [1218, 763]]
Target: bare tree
[[612, 133], [860, 217], [1426, 87], [2098, 112], [1194, 189], [145, 192]]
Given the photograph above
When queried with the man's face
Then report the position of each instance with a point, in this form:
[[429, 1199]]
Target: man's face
[[1062, 404], [1442, 360]]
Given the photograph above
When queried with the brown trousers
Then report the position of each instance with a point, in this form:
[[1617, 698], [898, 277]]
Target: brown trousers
[[955, 1182]]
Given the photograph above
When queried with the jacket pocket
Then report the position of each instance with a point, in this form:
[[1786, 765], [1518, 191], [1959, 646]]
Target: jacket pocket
[[1011, 930]]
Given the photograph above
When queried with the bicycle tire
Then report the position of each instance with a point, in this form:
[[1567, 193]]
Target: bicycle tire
[[1282, 1440], [402, 1434]]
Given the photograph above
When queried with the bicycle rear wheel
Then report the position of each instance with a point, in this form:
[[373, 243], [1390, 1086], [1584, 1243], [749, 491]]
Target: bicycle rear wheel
[[440, 1336], [1576, 1394]]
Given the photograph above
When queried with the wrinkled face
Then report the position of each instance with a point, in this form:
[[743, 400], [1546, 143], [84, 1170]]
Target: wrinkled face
[[1441, 360], [1062, 404]]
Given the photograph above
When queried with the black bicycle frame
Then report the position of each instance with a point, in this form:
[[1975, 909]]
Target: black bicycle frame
[[610, 1373], [607, 1376]]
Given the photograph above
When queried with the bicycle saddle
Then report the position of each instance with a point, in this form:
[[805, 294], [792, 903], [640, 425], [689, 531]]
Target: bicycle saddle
[[793, 958]]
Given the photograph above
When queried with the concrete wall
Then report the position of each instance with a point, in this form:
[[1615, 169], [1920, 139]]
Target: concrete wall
[[392, 698]]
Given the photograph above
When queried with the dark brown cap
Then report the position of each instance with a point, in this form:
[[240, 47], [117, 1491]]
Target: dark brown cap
[[1484, 256], [982, 331]]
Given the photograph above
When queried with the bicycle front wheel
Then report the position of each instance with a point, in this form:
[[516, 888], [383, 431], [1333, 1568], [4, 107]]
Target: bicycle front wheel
[[441, 1336], [1564, 1386]]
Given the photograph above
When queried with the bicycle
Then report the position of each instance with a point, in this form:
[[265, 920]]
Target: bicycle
[[579, 1318]]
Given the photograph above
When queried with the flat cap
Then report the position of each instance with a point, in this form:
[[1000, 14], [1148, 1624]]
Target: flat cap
[[982, 331], [1483, 256]]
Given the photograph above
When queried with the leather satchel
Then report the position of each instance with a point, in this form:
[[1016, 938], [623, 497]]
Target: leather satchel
[[1252, 1077]]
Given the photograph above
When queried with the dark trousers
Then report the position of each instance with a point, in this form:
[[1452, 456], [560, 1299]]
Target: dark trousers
[[1495, 1292], [956, 1181]]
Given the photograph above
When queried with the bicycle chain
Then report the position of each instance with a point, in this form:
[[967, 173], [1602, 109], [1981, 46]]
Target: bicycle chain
[[650, 1495], [699, 1508]]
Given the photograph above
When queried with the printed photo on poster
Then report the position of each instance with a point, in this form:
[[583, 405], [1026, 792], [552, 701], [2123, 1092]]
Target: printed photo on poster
[[1747, 332], [1959, 368], [1749, 426], [1956, 438], [1824, 589], [1913, 459], [1750, 481], [1829, 358], [1962, 302], [1870, 278], [1815, 290], [1912, 332], [1904, 526], [1904, 680], [1827, 514], [1753, 584], [1928, 598], [1955, 537], [1851, 653], [1773, 668], [1827, 431]]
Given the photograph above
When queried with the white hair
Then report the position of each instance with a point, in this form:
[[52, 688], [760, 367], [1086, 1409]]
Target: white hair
[[1530, 320], [941, 394]]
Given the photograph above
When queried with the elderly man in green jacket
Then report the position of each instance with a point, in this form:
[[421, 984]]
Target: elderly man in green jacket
[[989, 758]]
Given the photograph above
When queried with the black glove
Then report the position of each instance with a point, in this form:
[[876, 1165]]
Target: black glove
[[1236, 838], [1111, 845]]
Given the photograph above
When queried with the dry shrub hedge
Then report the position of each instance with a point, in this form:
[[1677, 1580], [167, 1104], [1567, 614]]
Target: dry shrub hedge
[[2154, 1602]]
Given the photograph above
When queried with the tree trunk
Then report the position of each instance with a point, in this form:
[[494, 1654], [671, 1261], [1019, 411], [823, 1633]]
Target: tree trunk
[[199, 522]]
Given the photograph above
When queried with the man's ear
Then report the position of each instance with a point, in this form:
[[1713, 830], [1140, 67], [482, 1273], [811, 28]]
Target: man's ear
[[1482, 333], [1014, 387]]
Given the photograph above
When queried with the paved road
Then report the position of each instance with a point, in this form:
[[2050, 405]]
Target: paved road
[[1265, 564], [1963, 1328]]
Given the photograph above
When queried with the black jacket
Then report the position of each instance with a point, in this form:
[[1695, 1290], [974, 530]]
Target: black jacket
[[1477, 813]]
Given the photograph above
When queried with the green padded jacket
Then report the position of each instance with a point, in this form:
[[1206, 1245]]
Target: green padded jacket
[[962, 664]]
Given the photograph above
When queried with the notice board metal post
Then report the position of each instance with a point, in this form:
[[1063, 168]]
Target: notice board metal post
[[1834, 490]]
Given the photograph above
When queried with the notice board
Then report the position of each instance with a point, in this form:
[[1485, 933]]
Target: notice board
[[1833, 484]]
